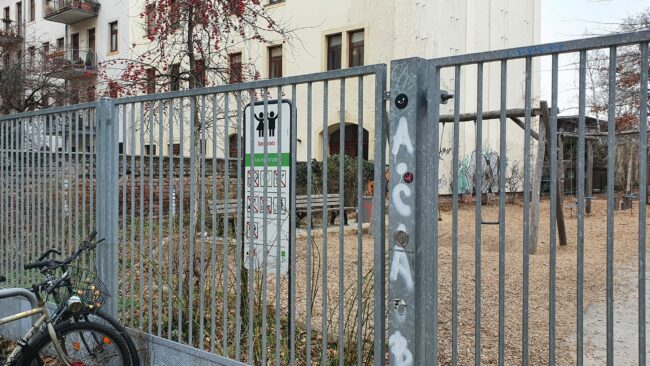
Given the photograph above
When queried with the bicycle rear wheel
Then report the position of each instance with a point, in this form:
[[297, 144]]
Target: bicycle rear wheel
[[83, 343]]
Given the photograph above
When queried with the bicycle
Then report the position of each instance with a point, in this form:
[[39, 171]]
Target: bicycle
[[47, 341], [76, 280]]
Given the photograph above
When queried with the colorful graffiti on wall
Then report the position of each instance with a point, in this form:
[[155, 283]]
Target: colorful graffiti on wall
[[490, 173]]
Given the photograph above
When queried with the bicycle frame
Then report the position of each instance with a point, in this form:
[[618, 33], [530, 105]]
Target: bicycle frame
[[44, 318]]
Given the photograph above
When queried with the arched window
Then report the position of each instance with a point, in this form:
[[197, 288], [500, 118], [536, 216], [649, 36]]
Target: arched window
[[351, 143]]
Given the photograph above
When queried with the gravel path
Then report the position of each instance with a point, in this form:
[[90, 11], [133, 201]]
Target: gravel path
[[625, 323]]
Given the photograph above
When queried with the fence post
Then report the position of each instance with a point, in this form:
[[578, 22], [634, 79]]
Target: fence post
[[107, 200], [413, 137]]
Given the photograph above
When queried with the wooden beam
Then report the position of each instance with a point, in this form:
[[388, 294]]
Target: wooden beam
[[469, 117], [521, 124], [537, 178]]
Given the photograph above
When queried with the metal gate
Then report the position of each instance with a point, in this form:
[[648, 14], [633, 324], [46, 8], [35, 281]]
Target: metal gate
[[465, 284], [167, 179]]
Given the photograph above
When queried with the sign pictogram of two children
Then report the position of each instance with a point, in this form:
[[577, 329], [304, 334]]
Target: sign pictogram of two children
[[260, 126]]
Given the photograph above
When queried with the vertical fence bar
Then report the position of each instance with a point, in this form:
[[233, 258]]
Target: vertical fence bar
[[238, 227], [193, 216], [324, 261], [226, 228], [360, 180], [454, 220], [582, 89], [341, 343], [611, 161], [643, 195], [108, 201], [379, 219], [293, 267], [554, 198], [123, 238], [502, 212], [265, 234], [527, 192], [408, 110], [149, 259], [160, 265], [478, 187], [172, 218], [201, 225], [181, 220], [252, 261], [278, 233], [309, 224], [132, 258], [141, 256], [213, 256]]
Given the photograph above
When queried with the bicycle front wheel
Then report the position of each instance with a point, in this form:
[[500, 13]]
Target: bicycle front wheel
[[83, 343]]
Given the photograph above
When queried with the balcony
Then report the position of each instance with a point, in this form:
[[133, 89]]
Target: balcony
[[70, 11], [73, 63], [11, 31]]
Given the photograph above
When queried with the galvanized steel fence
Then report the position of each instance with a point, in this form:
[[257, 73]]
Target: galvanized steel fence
[[189, 188]]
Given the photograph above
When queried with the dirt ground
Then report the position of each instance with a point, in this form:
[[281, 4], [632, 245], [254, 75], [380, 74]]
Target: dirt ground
[[625, 258], [357, 251]]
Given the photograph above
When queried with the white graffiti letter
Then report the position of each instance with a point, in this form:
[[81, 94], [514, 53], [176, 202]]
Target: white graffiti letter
[[401, 169], [400, 350], [400, 206], [402, 137], [400, 267]]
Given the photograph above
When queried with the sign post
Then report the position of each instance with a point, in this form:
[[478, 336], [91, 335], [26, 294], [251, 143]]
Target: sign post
[[261, 185]]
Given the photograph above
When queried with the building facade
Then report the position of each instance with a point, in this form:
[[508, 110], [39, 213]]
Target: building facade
[[86, 34]]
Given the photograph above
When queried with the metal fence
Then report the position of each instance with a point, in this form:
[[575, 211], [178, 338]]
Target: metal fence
[[468, 289], [190, 187]]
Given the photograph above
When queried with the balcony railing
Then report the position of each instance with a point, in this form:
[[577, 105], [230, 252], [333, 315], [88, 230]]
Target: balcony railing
[[73, 63], [70, 11], [11, 30]]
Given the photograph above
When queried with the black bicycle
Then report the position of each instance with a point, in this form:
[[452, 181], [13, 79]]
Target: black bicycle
[[81, 294]]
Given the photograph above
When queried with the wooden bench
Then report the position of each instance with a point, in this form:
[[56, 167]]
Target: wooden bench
[[318, 203]]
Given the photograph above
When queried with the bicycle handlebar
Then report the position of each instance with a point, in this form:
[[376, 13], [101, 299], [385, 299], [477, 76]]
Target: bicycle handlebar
[[89, 244], [47, 254]]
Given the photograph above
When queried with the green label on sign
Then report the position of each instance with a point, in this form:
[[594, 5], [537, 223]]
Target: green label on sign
[[272, 159]]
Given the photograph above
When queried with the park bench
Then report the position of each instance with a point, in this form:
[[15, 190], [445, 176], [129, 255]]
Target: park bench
[[318, 203]]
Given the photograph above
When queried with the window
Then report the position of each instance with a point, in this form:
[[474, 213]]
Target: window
[[75, 47], [150, 149], [275, 1], [91, 40], [275, 62], [232, 141], [112, 26], [151, 81], [234, 61], [334, 48], [175, 75], [356, 48], [46, 48], [90, 94], [150, 13], [201, 73], [120, 148], [60, 43], [6, 18], [32, 10], [31, 51], [19, 16], [176, 149]]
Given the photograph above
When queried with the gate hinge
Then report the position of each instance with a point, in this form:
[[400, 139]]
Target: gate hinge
[[387, 95]]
